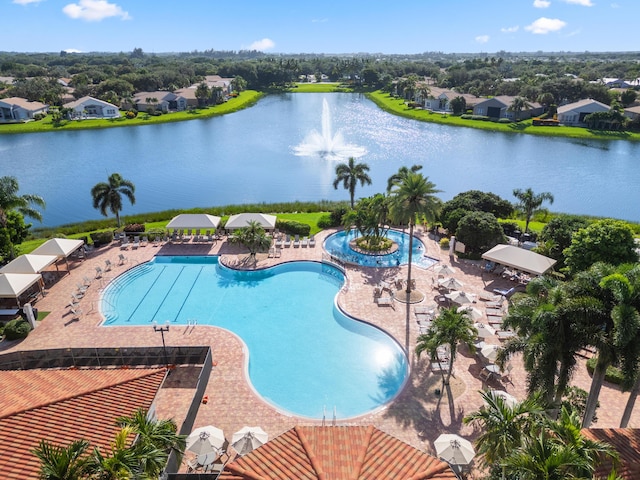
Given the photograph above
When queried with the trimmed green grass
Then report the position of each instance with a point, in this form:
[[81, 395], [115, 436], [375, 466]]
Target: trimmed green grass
[[320, 88], [397, 106], [310, 219], [244, 100]]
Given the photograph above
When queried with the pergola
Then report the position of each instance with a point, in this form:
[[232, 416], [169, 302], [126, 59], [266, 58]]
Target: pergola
[[519, 258], [241, 220], [13, 285], [29, 264], [201, 221]]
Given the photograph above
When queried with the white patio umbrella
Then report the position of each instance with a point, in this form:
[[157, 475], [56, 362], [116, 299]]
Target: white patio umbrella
[[490, 352], [460, 297], [473, 313], [484, 331], [508, 399], [451, 283], [205, 440], [443, 269], [454, 449], [248, 438]]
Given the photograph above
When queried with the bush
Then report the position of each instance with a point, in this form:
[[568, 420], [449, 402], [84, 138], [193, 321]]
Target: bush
[[504, 120], [101, 238], [336, 216], [325, 221], [444, 243], [134, 228], [131, 114], [39, 116], [613, 375], [509, 228], [17, 329], [293, 228]]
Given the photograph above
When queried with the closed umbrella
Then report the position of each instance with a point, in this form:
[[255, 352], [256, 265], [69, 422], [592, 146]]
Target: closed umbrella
[[460, 297], [247, 439], [473, 313], [205, 440], [454, 449], [508, 399], [490, 352], [451, 283], [443, 269], [484, 331]]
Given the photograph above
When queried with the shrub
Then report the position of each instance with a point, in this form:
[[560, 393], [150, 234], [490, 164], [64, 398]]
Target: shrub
[[131, 114], [336, 216], [444, 243], [509, 228], [134, 228], [101, 238], [504, 120], [293, 228], [17, 329], [325, 221], [613, 375], [39, 116]]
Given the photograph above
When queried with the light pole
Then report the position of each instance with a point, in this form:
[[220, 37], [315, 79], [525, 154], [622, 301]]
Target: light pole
[[156, 328]]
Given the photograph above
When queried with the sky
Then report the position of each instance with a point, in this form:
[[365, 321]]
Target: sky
[[330, 26]]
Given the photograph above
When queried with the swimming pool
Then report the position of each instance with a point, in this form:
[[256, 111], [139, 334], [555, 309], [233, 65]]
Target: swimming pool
[[305, 355], [337, 245]]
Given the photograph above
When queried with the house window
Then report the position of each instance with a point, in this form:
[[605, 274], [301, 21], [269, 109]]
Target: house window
[[110, 111]]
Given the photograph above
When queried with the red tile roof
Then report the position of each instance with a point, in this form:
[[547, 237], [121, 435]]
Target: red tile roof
[[337, 453], [627, 442], [66, 405]]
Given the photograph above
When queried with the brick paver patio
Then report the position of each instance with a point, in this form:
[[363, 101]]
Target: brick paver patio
[[417, 416]]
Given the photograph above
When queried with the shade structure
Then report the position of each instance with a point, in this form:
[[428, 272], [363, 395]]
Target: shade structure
[[247, 439], [508, 399], [443, 269], [241, 220], [454, 449], [472, 312], [460, 297], [484, 331], [60, 247], [12, 285], [205, 440], [200, 221], [451, 283], [29, 264], [490, 352], [519, 258]]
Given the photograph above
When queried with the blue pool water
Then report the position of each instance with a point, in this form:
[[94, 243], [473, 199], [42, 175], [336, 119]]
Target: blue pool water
[[338, 246], [305, 355]]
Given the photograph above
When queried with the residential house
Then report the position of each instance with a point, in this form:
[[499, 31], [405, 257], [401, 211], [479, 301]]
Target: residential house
[[632, 112], [91, 108], [218, 81], [16, 109], [499, 107], [439, 99], [189, 94], [614, 82], [163, 101], [572, 114]]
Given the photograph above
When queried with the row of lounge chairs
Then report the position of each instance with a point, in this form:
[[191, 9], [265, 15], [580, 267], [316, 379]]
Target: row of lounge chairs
[[194, 236], [285, 241]]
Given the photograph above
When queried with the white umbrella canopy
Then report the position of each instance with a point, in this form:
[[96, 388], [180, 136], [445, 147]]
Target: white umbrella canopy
[[473, 313], [460, 297], [444, 269], [451, 283], [205, 440], [29, 264], [247, 439], [484, 331], [508, 399], [454, 449], [200, 221], [61, 247], [490, 352]]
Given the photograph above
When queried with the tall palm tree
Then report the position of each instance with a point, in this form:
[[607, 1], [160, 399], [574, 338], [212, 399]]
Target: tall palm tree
[[400, 175], [530, 203], [415, 195], [449, 328], [108, 196], [62, 463], [518, 105], [349, 174]]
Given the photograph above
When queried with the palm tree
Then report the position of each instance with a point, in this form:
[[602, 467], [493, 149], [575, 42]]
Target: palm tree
[[415, 195], [400, 175], [253, 237], [61, 463], [449, 328], [109, 195], [518, 105], [349, 175], [530, 203], [119, 463]]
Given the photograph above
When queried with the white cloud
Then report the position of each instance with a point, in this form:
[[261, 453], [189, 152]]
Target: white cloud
[[94, 10], [544, 25], [482, 38], [26, 2], [541, 3], [584, 3], [72, 50], [262, 45], [510, 29]]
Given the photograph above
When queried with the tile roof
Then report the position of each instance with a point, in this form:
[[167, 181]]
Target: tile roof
[[66, 405], [349, 453], [627, 443], [24, 103], [79, 102]]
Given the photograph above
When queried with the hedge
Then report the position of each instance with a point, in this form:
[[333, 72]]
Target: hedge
[[17, 329], [291, 227]]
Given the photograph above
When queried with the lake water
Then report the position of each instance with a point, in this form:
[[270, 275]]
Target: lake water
[[251, 156]]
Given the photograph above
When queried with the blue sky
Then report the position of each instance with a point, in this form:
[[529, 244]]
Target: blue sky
[[330, 26]]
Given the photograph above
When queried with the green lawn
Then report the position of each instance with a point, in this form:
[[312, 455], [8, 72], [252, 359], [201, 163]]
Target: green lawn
[[245, 99], [319, 88]]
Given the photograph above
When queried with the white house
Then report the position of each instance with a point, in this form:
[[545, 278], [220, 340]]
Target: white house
[[439, 99], [89, 107], [163, 101], [573, 114], [16, 109]]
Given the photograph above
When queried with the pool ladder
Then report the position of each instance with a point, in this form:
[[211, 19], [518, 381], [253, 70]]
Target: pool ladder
[[324, 416]]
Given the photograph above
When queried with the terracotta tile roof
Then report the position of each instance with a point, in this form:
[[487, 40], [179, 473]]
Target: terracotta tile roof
[[348, 453], [66, 405], [627, 442]]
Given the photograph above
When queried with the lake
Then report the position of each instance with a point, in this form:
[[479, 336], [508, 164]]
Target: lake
[[267, 153]]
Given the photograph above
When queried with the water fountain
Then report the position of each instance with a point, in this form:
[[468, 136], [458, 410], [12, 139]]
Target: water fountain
[[326, 144]]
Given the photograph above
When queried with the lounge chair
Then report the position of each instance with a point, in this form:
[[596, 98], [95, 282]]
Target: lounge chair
[[377, 292], [486, 297], [144, 241], [505, 293], [86, 281], [296, 241], [75, 300], [136, 243], [99, 272], [272, 253], [278, 252], [76, 313], [494, 311], [81, 288], [386, 300], [505, 335], [485, 375], [278, 242], [312, 241], [125, 243], [305, 241], [287, 241], [107, 265], [122, 259]]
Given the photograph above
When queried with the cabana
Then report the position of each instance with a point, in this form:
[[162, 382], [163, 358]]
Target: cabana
[[13, 285], [520, 259], [241, 220], [60, 247], [198, 221], [29, 264]]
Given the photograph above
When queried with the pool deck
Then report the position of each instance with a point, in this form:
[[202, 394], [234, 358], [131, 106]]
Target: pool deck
[[417, 416]]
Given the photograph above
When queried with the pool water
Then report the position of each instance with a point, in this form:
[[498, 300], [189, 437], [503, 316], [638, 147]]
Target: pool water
[[337, 245], [305, 355]]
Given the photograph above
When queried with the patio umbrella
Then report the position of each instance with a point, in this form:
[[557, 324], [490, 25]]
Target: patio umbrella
[[443, 269], [490, 352], [459, 297], [484, 331], [205, 440], [451, 283], [454, 449], [247, 439], [473, 313], [508, 399]]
